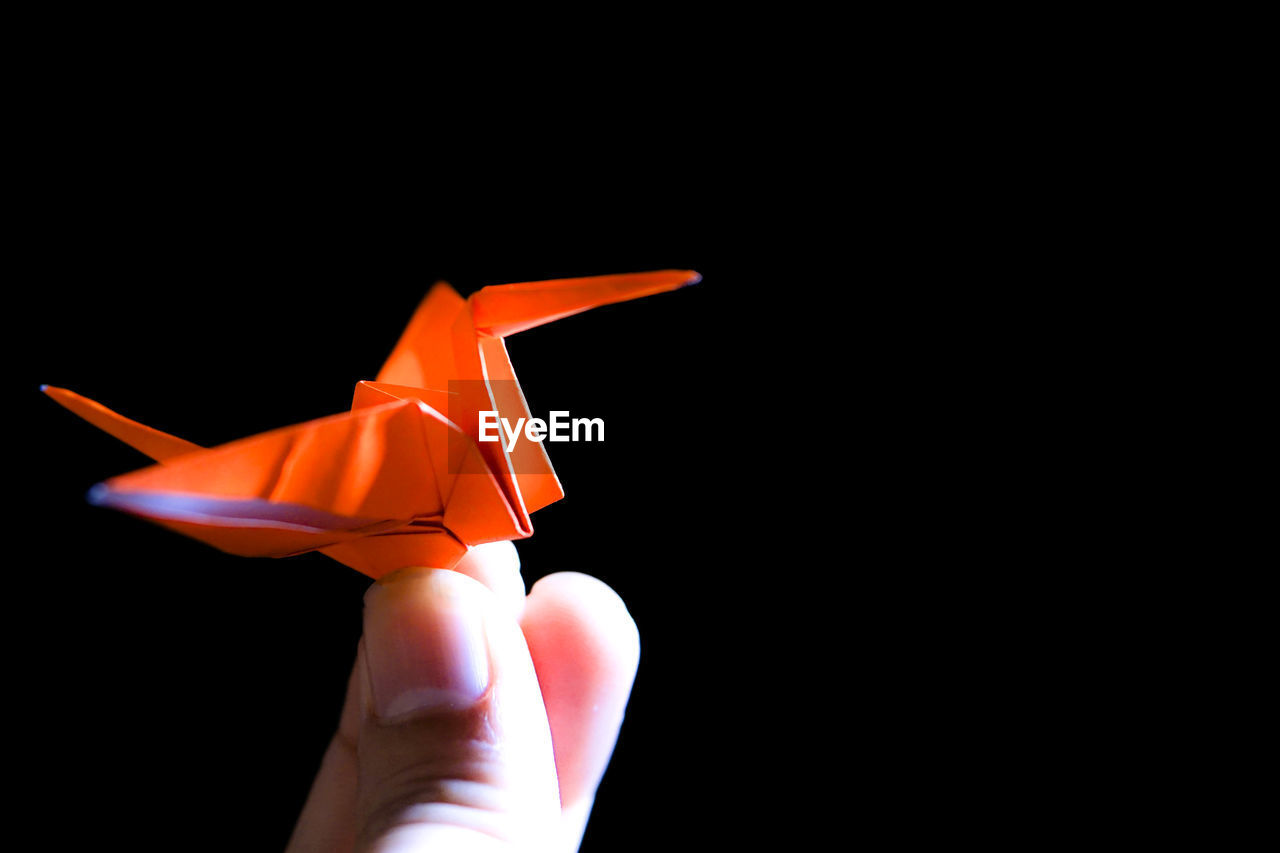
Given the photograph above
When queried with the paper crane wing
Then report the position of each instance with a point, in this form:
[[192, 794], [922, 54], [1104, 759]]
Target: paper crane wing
[[394, 482], [380, 470]]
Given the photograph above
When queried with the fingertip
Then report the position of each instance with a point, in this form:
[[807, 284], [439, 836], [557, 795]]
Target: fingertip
[[500, 556], [586, 648], [454, 743], [497, 566], [591, 603]]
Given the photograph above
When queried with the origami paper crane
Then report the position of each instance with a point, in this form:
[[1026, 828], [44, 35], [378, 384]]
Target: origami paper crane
[[395, 482]]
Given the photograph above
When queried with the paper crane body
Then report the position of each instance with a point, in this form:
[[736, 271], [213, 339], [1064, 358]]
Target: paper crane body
[[394, 482]]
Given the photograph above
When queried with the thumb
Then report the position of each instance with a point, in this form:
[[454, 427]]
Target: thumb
[[454, 749]]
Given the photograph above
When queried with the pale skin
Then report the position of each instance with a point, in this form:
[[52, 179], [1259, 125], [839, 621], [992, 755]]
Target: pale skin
[[509, 758]]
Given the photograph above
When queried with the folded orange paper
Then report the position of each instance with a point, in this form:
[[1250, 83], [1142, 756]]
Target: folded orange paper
[[395, 482]]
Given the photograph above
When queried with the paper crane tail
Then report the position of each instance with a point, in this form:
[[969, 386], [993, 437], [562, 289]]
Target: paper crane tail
[[156, 444]]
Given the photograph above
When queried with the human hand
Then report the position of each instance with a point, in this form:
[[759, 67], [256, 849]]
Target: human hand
[[477, 718]]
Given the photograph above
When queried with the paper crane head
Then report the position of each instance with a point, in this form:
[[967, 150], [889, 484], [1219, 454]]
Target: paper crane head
[[396, 481]]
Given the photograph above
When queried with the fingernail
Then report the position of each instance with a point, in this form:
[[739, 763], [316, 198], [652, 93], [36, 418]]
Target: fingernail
[[424, 643]]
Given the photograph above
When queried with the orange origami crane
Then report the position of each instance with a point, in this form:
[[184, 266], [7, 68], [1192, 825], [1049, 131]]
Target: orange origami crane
[[394, 482]]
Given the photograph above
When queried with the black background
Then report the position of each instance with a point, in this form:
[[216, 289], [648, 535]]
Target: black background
[[174, 679]]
